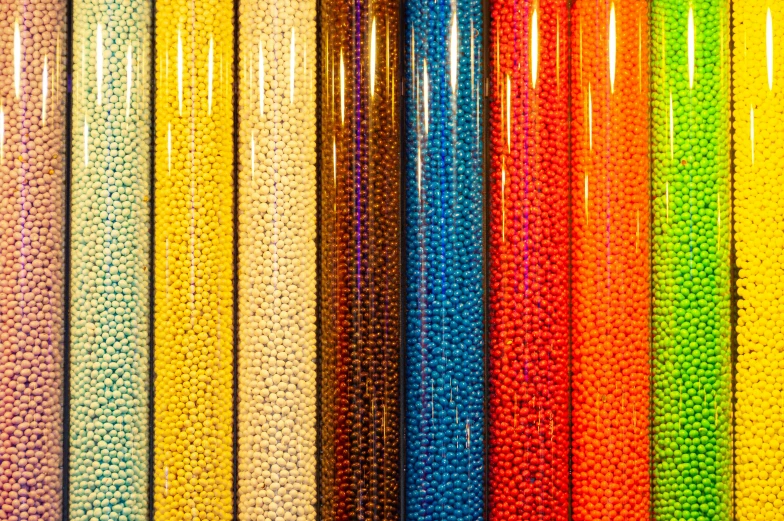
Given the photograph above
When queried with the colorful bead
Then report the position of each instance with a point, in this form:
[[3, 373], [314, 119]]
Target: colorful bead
[[529, 262], [277, 262], [33, 38], [193, 260], [444, 261], [360, 261], [758, 191], [610, 262], [691, 260], [110, 261]]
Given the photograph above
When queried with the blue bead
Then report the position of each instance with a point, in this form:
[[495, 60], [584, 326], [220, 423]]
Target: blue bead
[[444, 264]]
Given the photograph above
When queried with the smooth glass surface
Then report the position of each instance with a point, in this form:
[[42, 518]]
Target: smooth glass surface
[[33, 38], [444, 190], [692, 433], [277, 262], [610, 261], [529, 261], [360, 261], [194, 235]]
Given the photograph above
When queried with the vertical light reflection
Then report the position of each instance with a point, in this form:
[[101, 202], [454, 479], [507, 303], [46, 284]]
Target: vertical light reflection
[[426, 95], [99, 63], [373, 59], [769, 46], [128, 80], [262, 85], [342, 89], [45, 88], [210, 71], [292, 66], [613, 48], [453, 53], [691, 47], [419, 171], [672, 131], [179, 69], [17, 59], [534, 47], [508, 114]]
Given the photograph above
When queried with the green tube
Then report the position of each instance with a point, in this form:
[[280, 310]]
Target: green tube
[[692, 433]]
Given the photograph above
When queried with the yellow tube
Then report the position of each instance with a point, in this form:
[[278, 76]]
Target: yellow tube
[[759, 242], [193, 260]]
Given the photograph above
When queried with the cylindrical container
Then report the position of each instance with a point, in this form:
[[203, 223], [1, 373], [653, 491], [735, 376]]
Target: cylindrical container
[[610, 261], [444, 195], [690, 128], [529, 261], [759, 238], [110, 260], [277, 262], [360, 261], [33, 43], [194, 231]]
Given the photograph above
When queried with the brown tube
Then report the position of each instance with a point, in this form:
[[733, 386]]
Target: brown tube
[[360, 261]]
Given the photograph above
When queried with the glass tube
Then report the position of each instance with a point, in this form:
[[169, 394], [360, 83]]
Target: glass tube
[[277, 262], [610, 261], [444, 260], [529, 261], [110, 260], [758, 191], [193, 260], [33, 39], [360, 261], [691, 260]]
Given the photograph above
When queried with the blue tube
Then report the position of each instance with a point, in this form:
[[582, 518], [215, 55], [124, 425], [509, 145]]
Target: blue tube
[[444, 260]]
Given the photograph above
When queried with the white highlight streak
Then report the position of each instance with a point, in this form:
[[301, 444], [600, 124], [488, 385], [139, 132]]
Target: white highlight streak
[[373, 59], [613, 48], [691, 47], [453, 53], [534, 47]]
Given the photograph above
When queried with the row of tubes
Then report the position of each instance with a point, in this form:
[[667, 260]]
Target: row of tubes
[[578, 155]]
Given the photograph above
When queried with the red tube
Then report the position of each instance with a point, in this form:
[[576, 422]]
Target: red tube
[[529, 262], [610, 261]]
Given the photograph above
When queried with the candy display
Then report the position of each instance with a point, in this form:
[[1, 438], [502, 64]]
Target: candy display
[[193, 295], [529, 261], [33, 39], [360, 261], [692, 433], [110, 260], [610, 261], [444, 191], [277, 262], [758, 109]]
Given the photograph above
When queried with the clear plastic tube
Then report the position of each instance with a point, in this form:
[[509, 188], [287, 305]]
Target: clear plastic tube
[[33, 38], [690, 127], [444, 261], [193, 260], [610, 261], [758, 111], [529, 261], [360, 261], [110, 260], [277, 262]]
